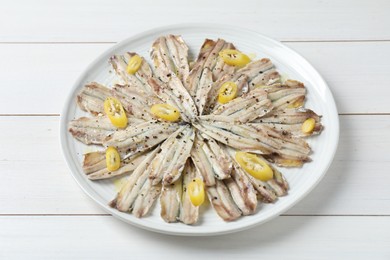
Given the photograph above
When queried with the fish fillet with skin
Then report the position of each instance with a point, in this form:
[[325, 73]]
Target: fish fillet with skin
[[189, 214], [242, 109], [129, 192], [138, 80], [138, 138], [94, 165], [289, 121], [222, 201], [242, 78], [256, 139], [170, 56]]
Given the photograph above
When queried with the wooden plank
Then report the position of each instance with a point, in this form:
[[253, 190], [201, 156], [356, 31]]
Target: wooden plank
[[37, 78], [357, 73], [35, 179], [107, 238], [354, 183], [354, 72], [87, 21], [42, 187]]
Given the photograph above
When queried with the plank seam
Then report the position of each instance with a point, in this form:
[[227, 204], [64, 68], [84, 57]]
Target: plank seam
[[283, 41], [108, 215], [17, 115], [23, 43], [340, 114], [337, 215], [54, 215]]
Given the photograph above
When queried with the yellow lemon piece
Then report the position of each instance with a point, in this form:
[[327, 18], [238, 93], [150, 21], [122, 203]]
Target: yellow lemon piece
[[196, 192], [308, 125], [115, 112], [113, 159], [234, 57], [255, 166], [166, 112], [227, 92], [134, 64]]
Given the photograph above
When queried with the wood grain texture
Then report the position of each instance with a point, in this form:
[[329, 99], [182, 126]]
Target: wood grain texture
[[356, 183], [356, 72], [87, 20], [40, 76], [107, 238], [35, 179], [35, 175], [37, 78], [45, 45]]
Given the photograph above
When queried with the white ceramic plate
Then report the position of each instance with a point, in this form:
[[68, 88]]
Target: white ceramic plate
[[287, 62]]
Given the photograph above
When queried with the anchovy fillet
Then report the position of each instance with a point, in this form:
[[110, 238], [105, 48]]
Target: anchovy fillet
[[266, 78], [220, 162], [255, 138], [170, 55], [243, 109], [242, 192], [211, 102], [138, 80], [222, 201], [174, 93], [169, 163], [138, 138], [268, 191], [238, 141], [173, 171], [94, 165], [203, 88], [289, 94], [146, 199], [242, 78], [164, 157], [91, 130], [170, 200], [289, 121], [188, 212], [91, 98], [202, 164], [133, 186], [134, 101], [208, 58]]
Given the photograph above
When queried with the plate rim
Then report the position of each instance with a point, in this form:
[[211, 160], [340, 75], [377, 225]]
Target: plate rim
[[158, 30]]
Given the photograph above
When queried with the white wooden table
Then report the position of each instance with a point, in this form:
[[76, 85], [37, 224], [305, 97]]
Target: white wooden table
[[45, 45]]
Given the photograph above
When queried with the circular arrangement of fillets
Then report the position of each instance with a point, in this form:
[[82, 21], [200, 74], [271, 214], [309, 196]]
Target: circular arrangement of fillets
[[218, 128]]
